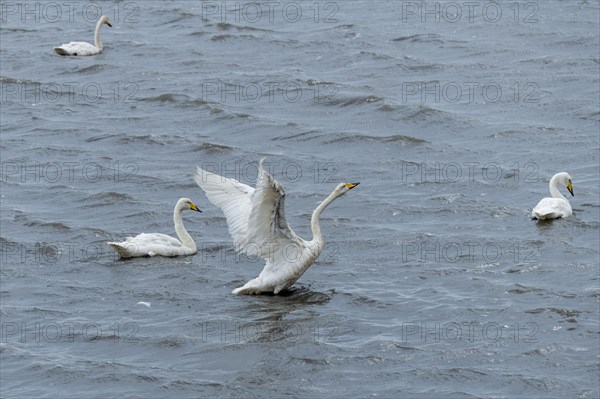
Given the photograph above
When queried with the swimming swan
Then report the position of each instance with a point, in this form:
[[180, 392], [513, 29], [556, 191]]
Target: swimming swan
[[83, 48], [257, 223], [557, 206], [161, 244]]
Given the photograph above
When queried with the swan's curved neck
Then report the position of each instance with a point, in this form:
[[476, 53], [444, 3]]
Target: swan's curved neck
[[97, 41], [314, 221], [554, 188], [185, 237]]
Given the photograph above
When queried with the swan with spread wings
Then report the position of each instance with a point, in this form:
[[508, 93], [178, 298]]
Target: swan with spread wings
[[257, 224]]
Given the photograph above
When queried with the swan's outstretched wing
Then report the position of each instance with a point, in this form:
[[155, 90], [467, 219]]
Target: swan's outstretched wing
[[267, 222], [233, 198], [256, 217]]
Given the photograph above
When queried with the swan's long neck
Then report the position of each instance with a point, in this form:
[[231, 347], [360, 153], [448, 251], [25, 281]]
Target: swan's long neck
[[314, 221], [554, 188], [185, 237], [97, 41]]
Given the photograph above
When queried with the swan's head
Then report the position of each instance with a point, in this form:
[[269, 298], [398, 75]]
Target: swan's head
[[343, 188], [185, 203], [565, 180], [562, 178], [104, 20]]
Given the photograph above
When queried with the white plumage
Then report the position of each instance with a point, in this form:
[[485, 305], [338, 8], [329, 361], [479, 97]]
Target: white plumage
[[257, 224], [84, 48], [161, 244], [557, 206]]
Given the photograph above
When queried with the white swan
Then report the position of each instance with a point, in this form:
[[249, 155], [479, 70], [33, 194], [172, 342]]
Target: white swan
[[257, 223], [557, 206], [161, 244], [83, 48]]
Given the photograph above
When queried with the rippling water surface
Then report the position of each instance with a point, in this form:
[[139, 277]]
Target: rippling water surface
[[434, 282]]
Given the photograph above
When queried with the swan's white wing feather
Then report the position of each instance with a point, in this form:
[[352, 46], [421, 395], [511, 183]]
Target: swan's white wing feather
[[77, 48], [150, 245], [552, 208], [156, 239], [233, 198], [267, 223]]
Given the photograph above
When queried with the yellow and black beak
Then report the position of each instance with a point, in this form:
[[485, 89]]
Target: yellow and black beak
[[193, 207], [570, 188], [350, 186]]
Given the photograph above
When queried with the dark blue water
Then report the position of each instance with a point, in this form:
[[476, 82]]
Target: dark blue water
[[434, 282]]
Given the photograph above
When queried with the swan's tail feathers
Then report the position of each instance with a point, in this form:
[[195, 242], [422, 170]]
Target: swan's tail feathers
[[258, 286], [546, 214], [60, 51], [252, 287], [124, 251], [245, 291]]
